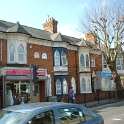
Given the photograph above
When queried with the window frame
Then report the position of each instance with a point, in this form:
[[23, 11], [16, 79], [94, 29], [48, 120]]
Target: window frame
[[82, 60], [12, 51], [57, 58], [21, 53]]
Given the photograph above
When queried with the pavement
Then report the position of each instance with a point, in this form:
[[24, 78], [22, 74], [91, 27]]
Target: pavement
[[113, 104]]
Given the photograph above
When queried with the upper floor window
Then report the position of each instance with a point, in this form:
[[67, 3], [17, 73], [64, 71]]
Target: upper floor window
[[12, 53], [87, 61], [93, 64], [57, 58], [82, 61], [16, 52], [120, 63], [64, 58], [65, 87], [21, 53]]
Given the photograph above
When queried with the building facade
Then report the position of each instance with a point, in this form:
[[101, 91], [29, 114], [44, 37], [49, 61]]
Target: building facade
[[36, 65]]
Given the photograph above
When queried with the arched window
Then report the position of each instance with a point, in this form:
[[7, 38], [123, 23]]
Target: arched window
[[20, 53], [83, 86], [65, 87], [58, 87], [73, 83], [87, 61], [82, 61], [64, 58], [12, 53], [57, 58]]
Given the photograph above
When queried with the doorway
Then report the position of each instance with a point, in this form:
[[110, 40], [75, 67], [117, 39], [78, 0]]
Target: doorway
[[42, 90]]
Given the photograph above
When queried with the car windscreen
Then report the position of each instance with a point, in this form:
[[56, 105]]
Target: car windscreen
[[10, 117]]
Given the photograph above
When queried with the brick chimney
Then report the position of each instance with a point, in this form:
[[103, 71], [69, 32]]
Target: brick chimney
[[89, 37], [50, 25]]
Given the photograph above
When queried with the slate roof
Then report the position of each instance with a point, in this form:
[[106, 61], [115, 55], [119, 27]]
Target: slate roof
[[10, 27]]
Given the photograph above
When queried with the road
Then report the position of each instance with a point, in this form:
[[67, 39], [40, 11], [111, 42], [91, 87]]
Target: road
[[112, 113]]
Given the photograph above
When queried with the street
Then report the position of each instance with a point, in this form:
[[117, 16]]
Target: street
[[112, 113]]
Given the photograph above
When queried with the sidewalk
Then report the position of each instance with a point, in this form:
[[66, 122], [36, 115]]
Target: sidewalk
[[101, 106]]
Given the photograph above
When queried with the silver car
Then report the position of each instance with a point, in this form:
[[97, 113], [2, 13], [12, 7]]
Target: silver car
[[49, 113]]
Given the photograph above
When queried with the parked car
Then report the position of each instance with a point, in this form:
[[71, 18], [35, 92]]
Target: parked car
[[49, 113]]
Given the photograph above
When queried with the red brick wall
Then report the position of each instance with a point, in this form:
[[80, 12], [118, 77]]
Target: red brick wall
[[73, 66], [42, 63]]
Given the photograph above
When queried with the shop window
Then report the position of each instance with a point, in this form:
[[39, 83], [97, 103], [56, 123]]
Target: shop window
[[58, 87], [82, 61], [119, 63], [21, 53], [12, 53], [73, 83], [65, 87], [57, 58], [64, 58]]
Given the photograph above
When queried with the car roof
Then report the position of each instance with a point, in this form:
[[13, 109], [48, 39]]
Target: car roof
[[31, 107]]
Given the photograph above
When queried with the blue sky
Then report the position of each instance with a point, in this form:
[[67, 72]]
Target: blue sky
[[69, 13]]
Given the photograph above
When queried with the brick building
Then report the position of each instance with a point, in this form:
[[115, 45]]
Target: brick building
[[38, 64]]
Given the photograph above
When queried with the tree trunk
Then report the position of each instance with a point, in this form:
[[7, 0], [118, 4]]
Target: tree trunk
[[116, 78]]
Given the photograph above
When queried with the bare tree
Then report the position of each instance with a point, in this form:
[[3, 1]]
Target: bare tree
[[107, 25]]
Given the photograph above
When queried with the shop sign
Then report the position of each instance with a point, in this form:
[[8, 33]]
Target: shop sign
[[41, 72], [104, 74], [18, 72]]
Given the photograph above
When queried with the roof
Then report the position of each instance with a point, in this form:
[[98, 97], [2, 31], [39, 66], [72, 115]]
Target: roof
[[10, 27], [34, 106]]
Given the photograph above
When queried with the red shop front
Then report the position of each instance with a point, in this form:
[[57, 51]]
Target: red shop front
[[17, 85]]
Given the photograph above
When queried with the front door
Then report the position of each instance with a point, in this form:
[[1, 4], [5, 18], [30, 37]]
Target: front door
[[42, 90]]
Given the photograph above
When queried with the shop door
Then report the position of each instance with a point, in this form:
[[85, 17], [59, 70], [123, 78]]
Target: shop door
[[42, 90]]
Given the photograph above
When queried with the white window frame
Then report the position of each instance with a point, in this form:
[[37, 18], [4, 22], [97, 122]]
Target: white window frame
[[65, 87], [58, 87], [119, 63], [12, 52], [64, 58], [57, 58], [93, 62], [83, 85], [73, 83], [21, 53], [82, 60], [87, 61]]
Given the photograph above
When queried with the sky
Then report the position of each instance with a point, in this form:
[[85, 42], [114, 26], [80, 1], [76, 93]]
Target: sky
[[68, 13]]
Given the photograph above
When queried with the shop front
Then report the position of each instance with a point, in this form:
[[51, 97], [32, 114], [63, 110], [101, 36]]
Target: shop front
[[42, 86], [17, 85]]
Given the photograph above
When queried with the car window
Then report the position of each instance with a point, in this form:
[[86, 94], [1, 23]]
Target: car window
[[70, 116], [43, 118], [89, 115], [10, 117]]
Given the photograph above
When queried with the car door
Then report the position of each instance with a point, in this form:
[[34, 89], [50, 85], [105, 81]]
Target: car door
[[46, 117]]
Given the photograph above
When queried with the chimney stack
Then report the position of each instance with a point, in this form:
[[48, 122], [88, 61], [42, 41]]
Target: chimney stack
[[50, 25]]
